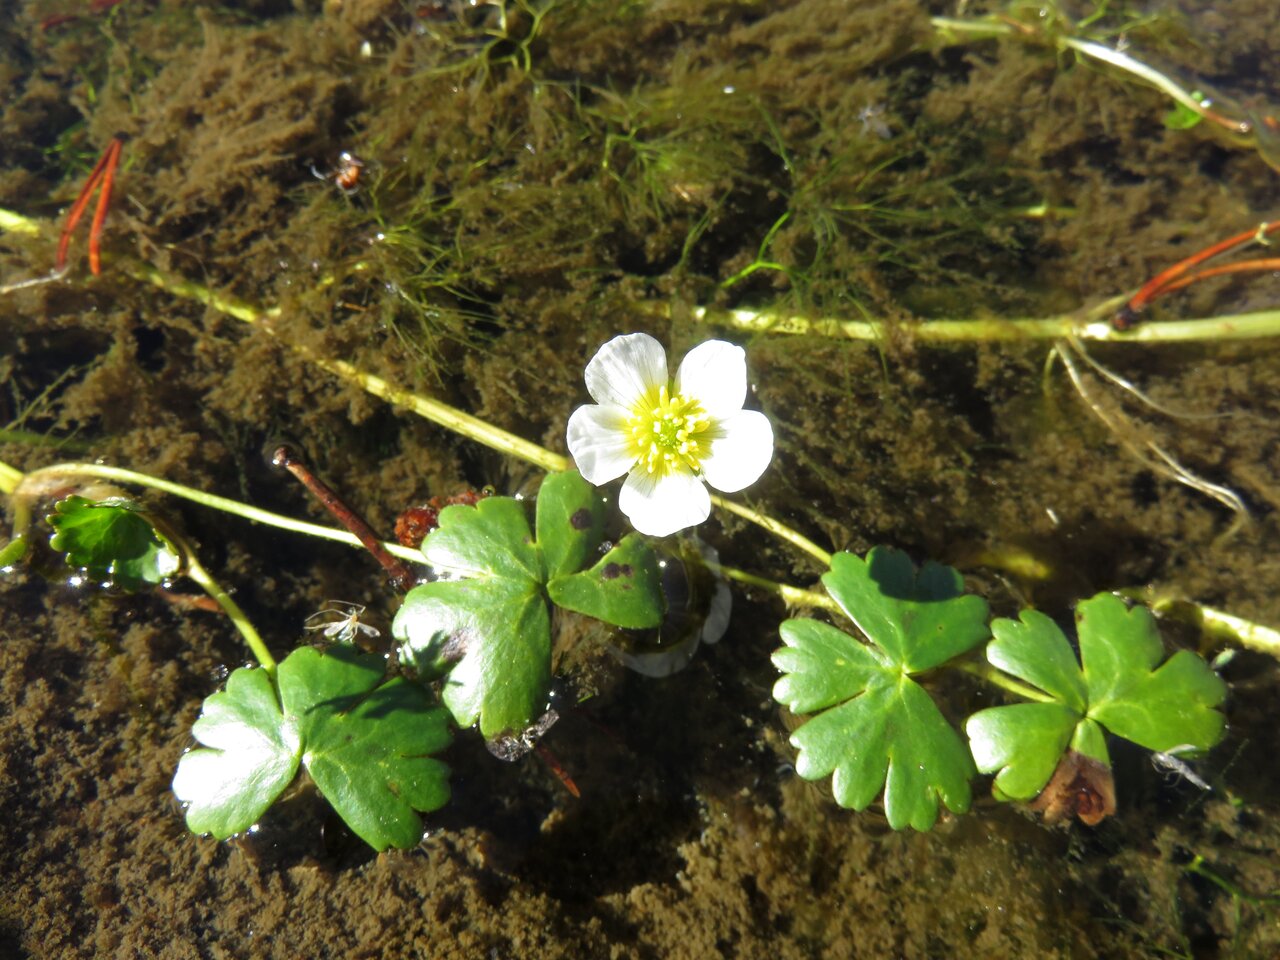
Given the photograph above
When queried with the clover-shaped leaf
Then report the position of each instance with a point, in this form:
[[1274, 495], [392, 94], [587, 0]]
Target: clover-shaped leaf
[[1120, 690], [365, 743], [491, 630], [111, 540], [879, 729]]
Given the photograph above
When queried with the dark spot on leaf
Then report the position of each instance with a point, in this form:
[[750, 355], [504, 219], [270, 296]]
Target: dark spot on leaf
[[626, 570], [611, 571], [454, 647], [581, 519]]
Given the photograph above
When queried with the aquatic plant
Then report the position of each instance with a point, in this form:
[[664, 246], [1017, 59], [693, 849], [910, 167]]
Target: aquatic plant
[[477, 627], [439, 243], [474, 635], [876, 727]]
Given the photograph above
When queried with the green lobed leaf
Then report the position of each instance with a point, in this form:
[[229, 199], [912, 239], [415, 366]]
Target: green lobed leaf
[[919, 620], [1023, 742], [1120, 689], [1033, 648], [365, 743], [823, 666], [879, 729], [250, 755], [490, 631], [112, 541], [490, 539], [493, 637], [892, 736], [623, 588], [570, 522], [1159, 708]]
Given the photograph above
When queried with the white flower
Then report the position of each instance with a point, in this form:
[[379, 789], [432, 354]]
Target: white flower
[[668, 437]]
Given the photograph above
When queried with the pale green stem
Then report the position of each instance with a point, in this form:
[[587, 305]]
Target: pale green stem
[[200, 575], [1252, 636], [1244, 326], [11, 222], [10, 477], [1002, 680], [791, 596], [775, 527], [1217, 623], [38, 479]]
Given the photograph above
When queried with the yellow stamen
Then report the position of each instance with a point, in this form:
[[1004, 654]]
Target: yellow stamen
[[668, 434]]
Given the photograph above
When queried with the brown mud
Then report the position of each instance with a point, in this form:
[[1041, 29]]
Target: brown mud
[[536, 180]]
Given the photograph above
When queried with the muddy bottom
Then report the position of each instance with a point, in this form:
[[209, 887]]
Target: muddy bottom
[[532, 180]]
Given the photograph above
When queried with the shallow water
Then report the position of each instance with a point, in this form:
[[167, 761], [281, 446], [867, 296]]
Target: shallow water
[[534, 184]]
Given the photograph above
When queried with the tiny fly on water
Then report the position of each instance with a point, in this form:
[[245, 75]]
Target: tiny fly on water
[[1168, 762], [340, 621]]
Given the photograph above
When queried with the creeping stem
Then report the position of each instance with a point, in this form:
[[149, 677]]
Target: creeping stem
[[791, 596], [47, 478], [232, 609], [196, 571], [25, 488]]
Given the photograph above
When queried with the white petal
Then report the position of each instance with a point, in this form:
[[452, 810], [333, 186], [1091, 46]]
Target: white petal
[[626, 369], [716, 373], [739, 455], [660, 507], [660, 663], [598, 443]]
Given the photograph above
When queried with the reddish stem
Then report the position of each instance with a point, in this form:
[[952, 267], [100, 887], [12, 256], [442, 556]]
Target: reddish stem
[[112, 157], [1171, 278], [1245, 266], [103, 172], [400, 573], [556, 767]]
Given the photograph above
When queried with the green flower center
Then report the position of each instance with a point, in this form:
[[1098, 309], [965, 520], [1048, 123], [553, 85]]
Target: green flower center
[[668, 434]]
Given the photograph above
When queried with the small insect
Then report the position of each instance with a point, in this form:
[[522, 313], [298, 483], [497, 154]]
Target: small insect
[[1169, 763], [872, 119], [346, 175], [340, 621]]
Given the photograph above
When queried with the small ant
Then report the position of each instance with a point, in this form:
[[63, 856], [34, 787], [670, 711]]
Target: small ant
[[346, 175], [347, 625]]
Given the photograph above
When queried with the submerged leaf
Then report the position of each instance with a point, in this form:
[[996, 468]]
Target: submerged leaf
[[112, 541], [879, 729], [1120, 689], [366, 744]]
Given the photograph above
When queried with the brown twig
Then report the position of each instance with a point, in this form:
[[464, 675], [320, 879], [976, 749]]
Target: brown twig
[[401, 573]]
